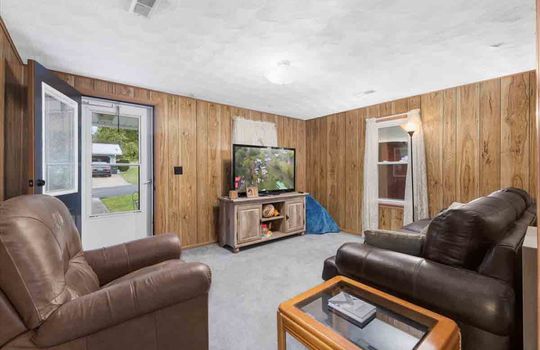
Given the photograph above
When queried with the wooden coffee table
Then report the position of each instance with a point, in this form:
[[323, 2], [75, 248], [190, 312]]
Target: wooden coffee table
[[398, 324]]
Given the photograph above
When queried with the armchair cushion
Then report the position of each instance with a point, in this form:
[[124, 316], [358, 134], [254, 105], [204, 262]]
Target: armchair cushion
[[41, 261], [113, 262], [463, 295], [403, 242], [162, 266], [12, 325], [153, 289]]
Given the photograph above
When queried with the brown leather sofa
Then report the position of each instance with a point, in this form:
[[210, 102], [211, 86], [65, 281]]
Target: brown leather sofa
[[469, 268], [137, 295]]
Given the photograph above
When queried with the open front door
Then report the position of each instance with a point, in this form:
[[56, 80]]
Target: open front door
[[56, 108]]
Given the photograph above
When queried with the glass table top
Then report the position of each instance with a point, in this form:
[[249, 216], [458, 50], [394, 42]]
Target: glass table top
[[387, 330]]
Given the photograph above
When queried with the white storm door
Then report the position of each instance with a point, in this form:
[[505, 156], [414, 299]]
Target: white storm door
[[117, 172]]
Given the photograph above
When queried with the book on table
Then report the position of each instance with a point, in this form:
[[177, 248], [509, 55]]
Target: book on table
[[352, 308]]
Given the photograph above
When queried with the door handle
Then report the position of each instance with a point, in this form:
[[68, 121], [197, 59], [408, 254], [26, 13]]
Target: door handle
[[147, 182], [40, 182]]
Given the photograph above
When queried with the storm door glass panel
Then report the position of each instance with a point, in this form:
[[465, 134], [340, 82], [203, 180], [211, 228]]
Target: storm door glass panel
[[60, 140], [115, 164]]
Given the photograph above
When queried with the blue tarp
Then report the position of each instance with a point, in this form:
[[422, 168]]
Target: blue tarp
[[319, 220]]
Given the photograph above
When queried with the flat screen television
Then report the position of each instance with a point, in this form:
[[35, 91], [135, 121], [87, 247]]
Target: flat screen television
[[271, 169]]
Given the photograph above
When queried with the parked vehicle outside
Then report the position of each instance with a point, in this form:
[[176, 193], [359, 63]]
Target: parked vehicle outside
[[101, 169]]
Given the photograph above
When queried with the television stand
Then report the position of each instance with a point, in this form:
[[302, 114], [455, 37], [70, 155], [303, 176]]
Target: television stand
[[241, 219]]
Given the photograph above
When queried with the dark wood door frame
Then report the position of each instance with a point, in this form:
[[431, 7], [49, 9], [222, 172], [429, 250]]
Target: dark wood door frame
[[30, 110]]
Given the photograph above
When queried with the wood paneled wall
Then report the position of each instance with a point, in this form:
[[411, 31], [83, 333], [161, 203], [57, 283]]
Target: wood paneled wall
[[12, 114], [479, 137], [194, 134]]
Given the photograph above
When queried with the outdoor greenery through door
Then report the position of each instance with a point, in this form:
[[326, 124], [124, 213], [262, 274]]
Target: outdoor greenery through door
[[115, 159]]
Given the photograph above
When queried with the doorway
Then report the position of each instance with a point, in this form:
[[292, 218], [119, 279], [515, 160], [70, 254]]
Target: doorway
[[117, 172]]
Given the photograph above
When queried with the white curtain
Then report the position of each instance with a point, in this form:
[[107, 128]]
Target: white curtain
[[418, 168], [252, 132], [370, 207]]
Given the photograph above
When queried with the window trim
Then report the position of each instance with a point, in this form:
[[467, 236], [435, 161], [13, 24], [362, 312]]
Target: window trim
[[393, 163], [391, 202]]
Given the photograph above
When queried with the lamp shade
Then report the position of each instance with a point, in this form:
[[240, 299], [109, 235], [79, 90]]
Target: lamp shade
[[413, 122], [410, 126]]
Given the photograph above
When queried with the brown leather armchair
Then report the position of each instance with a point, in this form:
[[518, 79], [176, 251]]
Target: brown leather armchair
[[137, 295]]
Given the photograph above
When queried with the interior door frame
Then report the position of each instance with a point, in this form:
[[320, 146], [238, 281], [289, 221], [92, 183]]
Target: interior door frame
[[101, 89]]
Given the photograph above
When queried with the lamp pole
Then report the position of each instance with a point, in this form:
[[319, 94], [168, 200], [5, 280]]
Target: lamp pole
[[411, 132]]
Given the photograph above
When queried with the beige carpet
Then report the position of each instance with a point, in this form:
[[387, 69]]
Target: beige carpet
[[248, 287]]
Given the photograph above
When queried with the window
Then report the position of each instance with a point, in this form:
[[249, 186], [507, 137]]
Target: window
[[392, 163], [60, 142]]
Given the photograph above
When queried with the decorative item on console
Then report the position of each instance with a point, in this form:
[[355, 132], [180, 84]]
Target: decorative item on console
[[265, 230], [252, 191], [269, 211]]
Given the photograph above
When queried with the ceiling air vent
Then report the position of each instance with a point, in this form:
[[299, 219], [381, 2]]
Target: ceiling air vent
[[143, 7]]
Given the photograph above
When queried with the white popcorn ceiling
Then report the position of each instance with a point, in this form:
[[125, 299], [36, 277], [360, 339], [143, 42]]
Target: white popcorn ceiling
[[219, 50]]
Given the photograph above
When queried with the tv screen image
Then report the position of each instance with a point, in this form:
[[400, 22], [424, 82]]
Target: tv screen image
[[271, 169]]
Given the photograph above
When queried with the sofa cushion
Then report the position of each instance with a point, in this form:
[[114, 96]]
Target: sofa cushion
[[515, 200], [461, 237], [41, 261], [460, 294], [421, 226], [402, 242], [416, 226], [526, 197]]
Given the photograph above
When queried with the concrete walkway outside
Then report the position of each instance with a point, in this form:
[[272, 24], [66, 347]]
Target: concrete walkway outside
[[113, 181]]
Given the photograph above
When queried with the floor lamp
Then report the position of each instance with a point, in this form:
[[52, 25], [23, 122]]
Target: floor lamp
[[410, 128]]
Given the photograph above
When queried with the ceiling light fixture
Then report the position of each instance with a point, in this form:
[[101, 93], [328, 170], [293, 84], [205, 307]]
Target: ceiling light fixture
[[143, 8], [281, 74]]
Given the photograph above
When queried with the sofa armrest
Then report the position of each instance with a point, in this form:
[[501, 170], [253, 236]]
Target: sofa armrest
[[460, 294], [402, 242], [121, 302], [109, 263]]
